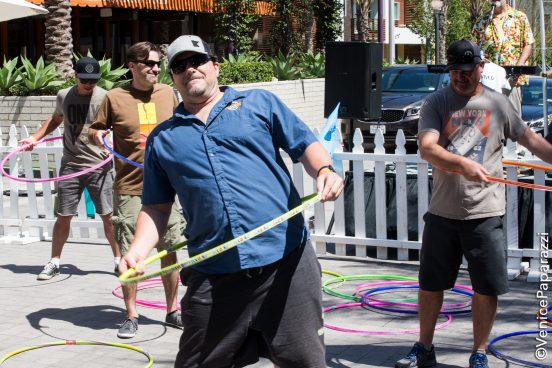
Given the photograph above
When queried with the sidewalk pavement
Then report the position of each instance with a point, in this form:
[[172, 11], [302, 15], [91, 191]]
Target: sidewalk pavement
[[79, 305]]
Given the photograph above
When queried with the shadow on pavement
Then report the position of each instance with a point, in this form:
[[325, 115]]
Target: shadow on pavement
[[97, 317]]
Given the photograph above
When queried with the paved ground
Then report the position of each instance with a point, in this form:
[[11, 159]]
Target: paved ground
[[79, 305]]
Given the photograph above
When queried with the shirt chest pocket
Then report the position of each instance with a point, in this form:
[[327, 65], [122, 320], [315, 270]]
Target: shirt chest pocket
[[238, 128]]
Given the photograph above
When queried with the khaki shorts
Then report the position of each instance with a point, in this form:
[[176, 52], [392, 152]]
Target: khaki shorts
[[125, 214]]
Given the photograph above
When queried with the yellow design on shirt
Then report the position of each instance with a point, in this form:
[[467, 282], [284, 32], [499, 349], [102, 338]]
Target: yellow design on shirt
[[147, 117]]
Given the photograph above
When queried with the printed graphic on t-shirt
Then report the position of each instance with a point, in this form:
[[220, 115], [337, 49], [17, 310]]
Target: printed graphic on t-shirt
[[147, 116], [467, 131], [78, 115]]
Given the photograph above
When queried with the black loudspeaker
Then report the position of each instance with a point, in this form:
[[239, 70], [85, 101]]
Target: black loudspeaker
[[353, 78]]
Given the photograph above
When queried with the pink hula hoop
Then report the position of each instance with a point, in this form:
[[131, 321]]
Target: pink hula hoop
[[366, 286], [376, 332], [156, 304], [45, 180]]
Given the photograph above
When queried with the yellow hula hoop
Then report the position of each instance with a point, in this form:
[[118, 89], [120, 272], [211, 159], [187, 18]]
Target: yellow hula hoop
[[129, 278], [334, 274], [76, 342]]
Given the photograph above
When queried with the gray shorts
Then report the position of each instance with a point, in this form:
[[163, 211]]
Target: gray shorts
[[481, 241], [275, 311], [99, 185], [125, 214]]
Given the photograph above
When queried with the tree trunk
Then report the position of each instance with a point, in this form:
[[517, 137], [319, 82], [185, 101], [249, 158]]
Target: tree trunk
[[443, 34], [58, 37]]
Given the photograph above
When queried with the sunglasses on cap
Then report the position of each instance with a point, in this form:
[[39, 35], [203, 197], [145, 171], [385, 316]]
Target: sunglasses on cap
[[181, 65], [149, 63], [467, 58], [88, 81]]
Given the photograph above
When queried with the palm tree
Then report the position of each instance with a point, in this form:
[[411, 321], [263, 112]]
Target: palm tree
[[58, 38], [363, 18], [476, 10]]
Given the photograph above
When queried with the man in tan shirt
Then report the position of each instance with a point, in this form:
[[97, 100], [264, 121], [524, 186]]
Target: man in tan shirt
[[131, 112]]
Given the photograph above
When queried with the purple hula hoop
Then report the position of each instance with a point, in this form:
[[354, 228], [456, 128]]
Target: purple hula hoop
[[45, 180], [372, 299], [376, 332]]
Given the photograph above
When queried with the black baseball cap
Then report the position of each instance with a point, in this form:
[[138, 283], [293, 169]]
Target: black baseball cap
[[463, 55], [88, 68]]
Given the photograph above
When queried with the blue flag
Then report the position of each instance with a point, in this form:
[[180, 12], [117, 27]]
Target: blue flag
[[326, 136]]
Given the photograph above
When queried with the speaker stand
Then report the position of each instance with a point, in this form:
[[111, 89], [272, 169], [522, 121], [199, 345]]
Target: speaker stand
[[350, 141]]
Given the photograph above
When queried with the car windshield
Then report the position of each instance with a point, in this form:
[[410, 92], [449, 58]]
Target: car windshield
[[409, 80], [532, 93]]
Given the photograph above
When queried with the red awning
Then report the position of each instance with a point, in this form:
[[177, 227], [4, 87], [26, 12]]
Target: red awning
[[201, 6]]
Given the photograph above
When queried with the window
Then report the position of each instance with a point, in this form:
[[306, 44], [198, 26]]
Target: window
[[397, 11]]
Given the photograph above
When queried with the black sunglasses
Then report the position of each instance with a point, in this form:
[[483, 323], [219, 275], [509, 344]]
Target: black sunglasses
[[88, 81], [150, 63], [180, 66]]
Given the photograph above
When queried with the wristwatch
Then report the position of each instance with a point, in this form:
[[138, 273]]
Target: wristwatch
[[328, 167]]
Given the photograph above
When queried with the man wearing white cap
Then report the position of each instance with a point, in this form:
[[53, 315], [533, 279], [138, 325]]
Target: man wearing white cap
[[220, 154]]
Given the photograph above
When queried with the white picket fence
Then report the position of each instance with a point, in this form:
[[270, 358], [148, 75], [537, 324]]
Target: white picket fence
[[27, 209]]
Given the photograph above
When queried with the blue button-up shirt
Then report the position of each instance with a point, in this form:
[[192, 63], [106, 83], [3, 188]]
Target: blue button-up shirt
[[229, 176]]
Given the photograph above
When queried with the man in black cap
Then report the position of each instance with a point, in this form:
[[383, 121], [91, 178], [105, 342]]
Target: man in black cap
[[462, 130], [76, 107]]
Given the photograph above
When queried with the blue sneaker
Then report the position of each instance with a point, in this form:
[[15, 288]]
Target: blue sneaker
[[478, 360], [418, 356]]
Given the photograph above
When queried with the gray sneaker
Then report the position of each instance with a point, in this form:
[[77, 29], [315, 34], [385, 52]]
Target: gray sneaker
[[418, 357], [174, 319], [49, 271], [128, 329]]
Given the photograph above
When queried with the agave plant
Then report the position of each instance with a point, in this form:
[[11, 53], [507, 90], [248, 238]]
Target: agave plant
[[164, 75], [284, 68], [39, 77], [247, 57], [9, 74], [313, 65], [111, 78]]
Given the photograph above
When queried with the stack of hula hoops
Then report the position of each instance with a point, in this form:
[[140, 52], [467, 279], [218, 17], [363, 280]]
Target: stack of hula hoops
[[369, 295]]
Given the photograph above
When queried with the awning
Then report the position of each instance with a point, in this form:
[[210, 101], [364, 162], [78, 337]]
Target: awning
[[200, 6]]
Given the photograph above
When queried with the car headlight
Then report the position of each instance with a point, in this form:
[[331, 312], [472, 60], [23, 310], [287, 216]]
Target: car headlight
[[413, 111]]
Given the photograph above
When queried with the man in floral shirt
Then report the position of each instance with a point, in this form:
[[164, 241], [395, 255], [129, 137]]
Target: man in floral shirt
[[506, 39]]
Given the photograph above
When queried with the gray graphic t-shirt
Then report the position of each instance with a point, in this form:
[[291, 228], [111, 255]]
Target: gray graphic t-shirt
[[78, 113], [475, 128]]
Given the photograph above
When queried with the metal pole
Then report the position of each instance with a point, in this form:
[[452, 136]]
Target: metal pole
[[437, 38], [543, 66], [381, 36], [391, 18]]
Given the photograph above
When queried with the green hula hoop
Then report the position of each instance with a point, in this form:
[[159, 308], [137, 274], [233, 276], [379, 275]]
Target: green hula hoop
[[129, 278], [331, 291], [76, 342]]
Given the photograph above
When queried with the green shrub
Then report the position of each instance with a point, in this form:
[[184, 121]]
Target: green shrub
[[313, 65], [164, 75], [37, 78], [284, 68], [9, 75], [247, 57], [111, 78], [245, 72], [53, 90]]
